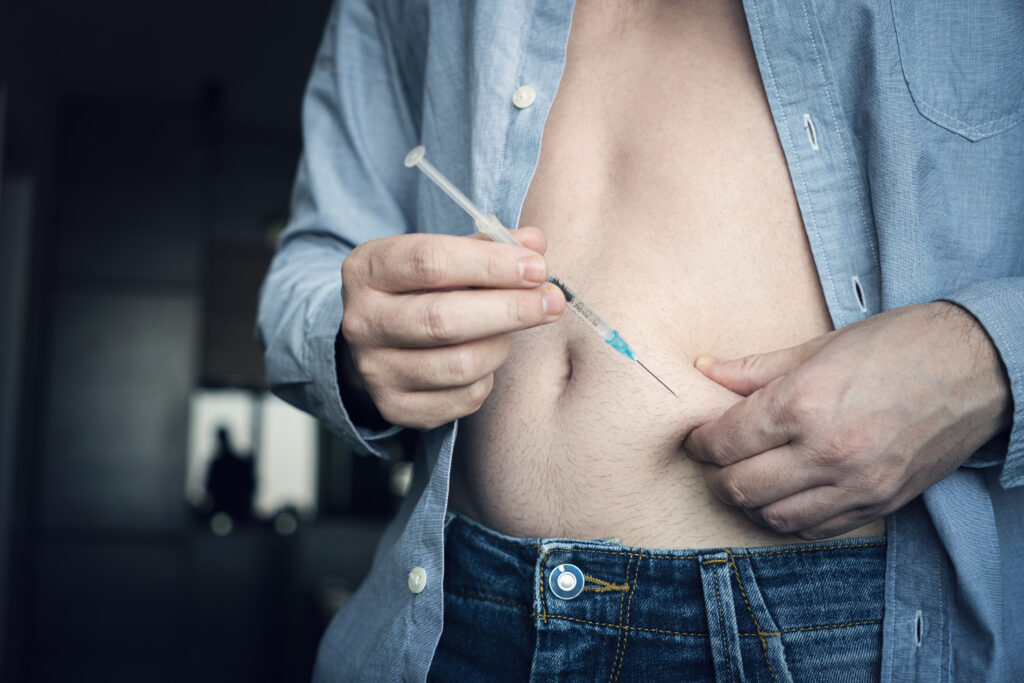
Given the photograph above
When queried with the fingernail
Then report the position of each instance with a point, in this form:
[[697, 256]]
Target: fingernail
[[532, 269], [703, 362], [553, 301]]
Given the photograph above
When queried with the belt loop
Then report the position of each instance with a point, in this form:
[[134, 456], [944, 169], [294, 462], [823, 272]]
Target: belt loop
[[723, 633]]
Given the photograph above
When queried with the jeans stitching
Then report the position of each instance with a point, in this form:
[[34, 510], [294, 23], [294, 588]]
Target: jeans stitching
[[543, 603], [604, 586], [629, 605], [696, 556], [627, 628], [694, 634], [721, 620], [619, 627], [815, 628], [816, 548], [760, 633]]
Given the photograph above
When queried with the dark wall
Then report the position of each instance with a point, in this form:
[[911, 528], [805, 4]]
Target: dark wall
[[116, 559], [139, 139]]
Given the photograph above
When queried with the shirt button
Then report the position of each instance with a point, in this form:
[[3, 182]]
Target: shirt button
[[417, 579], [566, 581], [524, 96]]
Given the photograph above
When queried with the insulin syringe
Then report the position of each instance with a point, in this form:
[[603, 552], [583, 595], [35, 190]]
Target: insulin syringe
[[492, 227]]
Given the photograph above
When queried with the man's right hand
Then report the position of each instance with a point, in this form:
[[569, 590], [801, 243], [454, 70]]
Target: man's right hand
[[427, 319]]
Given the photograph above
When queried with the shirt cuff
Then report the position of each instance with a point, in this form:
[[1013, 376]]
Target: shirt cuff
[[321, 339], [999, 306]]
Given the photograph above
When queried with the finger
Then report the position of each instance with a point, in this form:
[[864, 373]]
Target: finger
[[841, 524], [809, 509], [746, 429], [858, 515], [432, 369], [764, 479], [417, 262], [447, 318], [531, 238], [750, 373], [425, 410]]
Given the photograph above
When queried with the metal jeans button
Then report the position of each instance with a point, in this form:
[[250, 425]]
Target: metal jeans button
[[566, 581]]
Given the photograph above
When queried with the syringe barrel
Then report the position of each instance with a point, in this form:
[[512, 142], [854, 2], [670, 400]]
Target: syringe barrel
[[593, 320], [487, 224], [586, 314]]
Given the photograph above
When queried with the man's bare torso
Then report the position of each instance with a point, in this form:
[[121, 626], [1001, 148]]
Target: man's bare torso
[[664, 194]]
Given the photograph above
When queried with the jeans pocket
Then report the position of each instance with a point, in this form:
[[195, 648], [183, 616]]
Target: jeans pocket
[[963, 61]]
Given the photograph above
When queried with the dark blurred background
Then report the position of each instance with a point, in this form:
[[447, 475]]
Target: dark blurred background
[[162, 517]]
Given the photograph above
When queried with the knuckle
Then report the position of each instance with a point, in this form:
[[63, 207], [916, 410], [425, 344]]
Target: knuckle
[[853, 439], [518, 311], [801, 407], [460, 366], [751, 365], [801, 403], [350, 266], [713, 452], [497, 266], [776, 521], [438, 323], [378, 257], [389, 405], [428, 264], [369, 368], [828, 458], [734, 492], [847, 450], [478, 392], [354, 327], [362, 265]]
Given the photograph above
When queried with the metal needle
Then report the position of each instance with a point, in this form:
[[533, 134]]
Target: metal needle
[[656, 377]]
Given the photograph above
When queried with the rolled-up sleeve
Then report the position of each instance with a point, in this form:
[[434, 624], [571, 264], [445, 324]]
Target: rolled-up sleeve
[[999, 307], [350, 187]]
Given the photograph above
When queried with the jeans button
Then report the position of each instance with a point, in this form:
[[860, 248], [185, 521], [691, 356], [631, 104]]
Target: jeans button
[[566, 581]]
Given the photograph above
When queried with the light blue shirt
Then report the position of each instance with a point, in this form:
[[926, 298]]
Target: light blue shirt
[[899, 120]]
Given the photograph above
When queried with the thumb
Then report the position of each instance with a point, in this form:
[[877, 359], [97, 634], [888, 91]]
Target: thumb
[[748, 374]]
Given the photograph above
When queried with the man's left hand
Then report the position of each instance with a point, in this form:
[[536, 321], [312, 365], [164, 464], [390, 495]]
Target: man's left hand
[[850, 426]]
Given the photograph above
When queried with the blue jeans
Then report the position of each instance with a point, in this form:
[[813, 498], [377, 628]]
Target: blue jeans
[[801, 612]]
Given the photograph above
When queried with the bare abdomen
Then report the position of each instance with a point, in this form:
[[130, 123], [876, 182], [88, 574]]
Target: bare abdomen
[[665, 197]]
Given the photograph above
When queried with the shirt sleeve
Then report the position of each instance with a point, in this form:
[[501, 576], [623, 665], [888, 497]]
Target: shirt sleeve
[[999, 307], [351, 186]]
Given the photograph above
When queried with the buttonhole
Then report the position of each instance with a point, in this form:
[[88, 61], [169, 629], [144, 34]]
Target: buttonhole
[[918, 627], [812, 136], [858, 291]]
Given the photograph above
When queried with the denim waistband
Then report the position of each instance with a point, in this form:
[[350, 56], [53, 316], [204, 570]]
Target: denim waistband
[[775, 590]]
